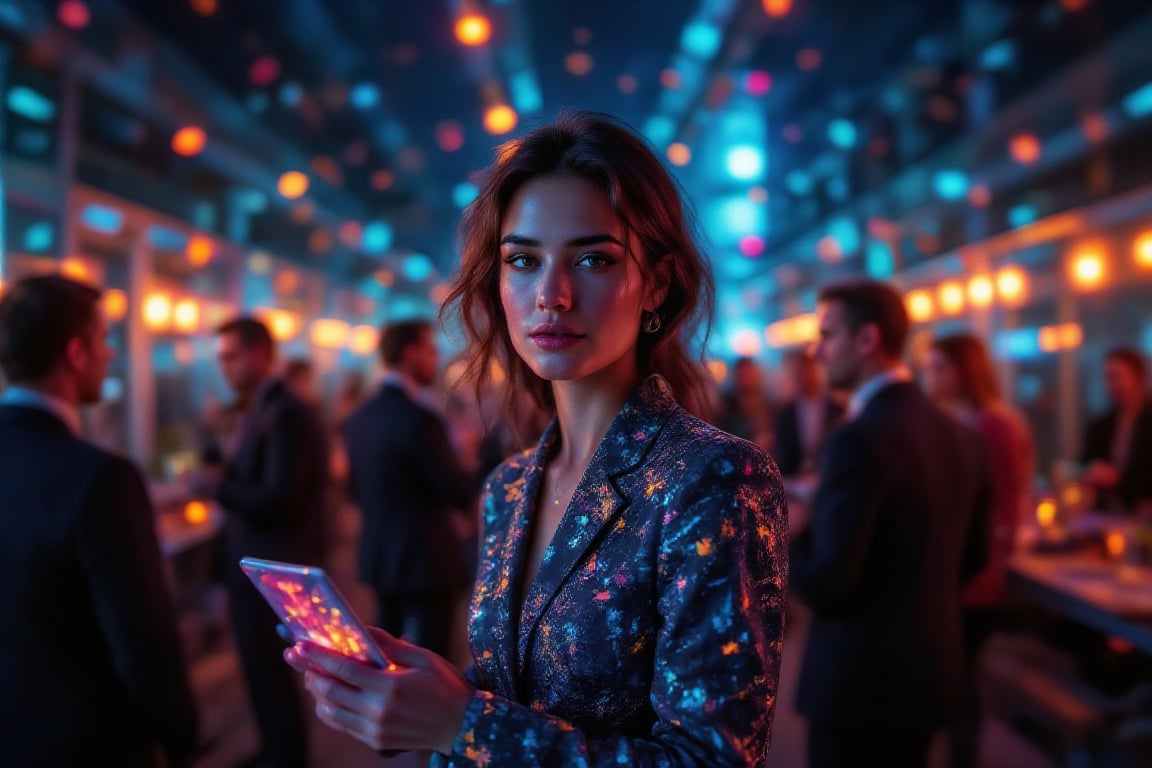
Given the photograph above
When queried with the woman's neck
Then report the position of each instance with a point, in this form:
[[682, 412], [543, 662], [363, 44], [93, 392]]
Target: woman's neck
[[585, 411]]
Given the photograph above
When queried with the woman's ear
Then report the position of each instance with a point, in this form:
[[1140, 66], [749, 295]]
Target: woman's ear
[[659, 279]]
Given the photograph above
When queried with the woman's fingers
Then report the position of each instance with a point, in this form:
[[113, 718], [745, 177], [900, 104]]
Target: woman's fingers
[[355, 673], [370, 705], [295, 660]]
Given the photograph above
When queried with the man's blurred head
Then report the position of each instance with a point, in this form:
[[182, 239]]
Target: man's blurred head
[[246, 353], [410, 348], [53, 335], [863, 327]]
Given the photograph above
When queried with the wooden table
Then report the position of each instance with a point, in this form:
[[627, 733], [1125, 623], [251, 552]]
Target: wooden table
[[1112, 597]]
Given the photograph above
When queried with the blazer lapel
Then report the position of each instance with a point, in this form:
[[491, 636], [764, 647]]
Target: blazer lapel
[[596, 501], [508, 553]]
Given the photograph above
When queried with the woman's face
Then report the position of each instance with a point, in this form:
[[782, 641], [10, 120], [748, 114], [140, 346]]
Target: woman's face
[[572, 295], [940, 377]]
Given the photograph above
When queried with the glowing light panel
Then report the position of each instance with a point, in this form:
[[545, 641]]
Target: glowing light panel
[[745, 162]]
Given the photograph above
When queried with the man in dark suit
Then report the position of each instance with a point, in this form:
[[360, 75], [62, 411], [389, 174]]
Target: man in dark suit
[[271, 486], [406, 479], [899, 521], [1118, 444], [803, 424], [91, 669]]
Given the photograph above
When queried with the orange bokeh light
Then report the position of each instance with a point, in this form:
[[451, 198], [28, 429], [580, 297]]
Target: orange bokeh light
[[1024, 148], [473, 29], [719, 370], [1053, 338], [115, 305], [199, 250], [292, 184], [1071, 335], [283, 325], [920, 305], [981, 292], [793, 331], [195, 513], [679, 153], [189, 141], [1088, 268], [75, 269], [1049, 339], [157, 311], [1011, 285], [363, 340], [330, 333], [500, 119], [203, 7], [1142, 250], [1046, 512], [777, 8], [1114, 544], [186, 316], [951, 298]]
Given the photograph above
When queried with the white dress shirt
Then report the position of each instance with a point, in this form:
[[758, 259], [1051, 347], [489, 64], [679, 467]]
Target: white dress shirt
[[869, 389]]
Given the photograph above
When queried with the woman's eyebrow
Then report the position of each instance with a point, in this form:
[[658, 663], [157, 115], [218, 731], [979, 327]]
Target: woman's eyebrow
[[576, 242]]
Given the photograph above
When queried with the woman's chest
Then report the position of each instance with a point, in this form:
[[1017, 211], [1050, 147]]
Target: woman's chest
[[586, 638]]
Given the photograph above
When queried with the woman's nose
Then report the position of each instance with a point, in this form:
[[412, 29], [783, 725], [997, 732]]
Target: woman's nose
[[555, 290]]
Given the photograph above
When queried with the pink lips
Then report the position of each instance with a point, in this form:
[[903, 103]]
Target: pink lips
[[553, 337]]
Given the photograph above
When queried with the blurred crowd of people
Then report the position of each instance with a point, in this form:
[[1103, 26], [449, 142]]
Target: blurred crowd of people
[[410, 455]]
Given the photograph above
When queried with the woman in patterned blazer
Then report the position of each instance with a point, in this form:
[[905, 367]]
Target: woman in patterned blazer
[[630, 599]]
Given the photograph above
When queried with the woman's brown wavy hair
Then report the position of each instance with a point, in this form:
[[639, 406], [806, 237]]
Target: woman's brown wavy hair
[[976, 374], [604, 151]]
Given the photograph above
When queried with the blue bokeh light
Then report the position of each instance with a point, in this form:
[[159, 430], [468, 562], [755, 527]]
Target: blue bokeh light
[[745, 162]]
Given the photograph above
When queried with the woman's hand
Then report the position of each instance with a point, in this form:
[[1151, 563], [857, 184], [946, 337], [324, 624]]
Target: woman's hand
[[416, 704]]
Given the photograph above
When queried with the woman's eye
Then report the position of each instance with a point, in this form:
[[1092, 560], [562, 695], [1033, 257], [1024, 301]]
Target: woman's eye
[[595, 260], [519, 260]]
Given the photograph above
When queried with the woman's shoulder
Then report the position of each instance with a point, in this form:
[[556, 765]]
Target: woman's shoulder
[[510, 469], [711, 450]]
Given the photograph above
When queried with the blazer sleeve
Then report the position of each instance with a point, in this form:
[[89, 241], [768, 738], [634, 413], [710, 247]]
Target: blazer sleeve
[[281, 495], [828, 556], [722, 580], [117, 548]]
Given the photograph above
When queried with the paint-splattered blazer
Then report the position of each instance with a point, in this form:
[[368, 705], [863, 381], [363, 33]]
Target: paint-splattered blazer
[[651, 634]]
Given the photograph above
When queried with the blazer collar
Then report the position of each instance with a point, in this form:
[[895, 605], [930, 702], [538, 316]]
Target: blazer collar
[[30, 415], [596, 502]]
